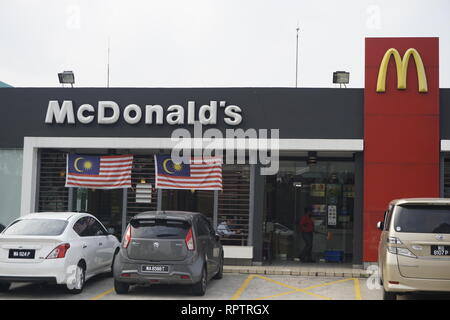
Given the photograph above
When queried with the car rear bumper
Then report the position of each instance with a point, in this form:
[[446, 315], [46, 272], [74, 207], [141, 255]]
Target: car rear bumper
[[130, 271], [53, 271]]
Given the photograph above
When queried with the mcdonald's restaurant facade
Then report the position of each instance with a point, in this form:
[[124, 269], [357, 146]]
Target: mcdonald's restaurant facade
[[345, 153]]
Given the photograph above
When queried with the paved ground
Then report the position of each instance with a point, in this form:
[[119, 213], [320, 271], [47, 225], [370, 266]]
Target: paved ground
[[231, 287]]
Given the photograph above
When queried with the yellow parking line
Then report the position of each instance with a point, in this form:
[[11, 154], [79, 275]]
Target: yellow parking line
[[304, 290], [244, 286], [358, 295], [101, 295], [327, 284]]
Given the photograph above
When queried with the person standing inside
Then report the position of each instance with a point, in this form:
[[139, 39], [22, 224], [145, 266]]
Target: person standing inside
[[307, 229]]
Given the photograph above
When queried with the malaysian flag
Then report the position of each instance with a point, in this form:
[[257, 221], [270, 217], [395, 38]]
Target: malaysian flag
[[99, 172], [199, 173]]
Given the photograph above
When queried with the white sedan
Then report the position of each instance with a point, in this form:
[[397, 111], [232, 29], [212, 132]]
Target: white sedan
[[55, 247]]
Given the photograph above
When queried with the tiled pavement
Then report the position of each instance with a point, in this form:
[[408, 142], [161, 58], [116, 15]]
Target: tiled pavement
[[298, 269]]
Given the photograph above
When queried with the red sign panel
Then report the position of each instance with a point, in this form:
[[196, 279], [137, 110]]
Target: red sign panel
[[401, 127]]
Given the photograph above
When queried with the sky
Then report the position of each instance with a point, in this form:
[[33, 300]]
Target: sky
[[206, 43]]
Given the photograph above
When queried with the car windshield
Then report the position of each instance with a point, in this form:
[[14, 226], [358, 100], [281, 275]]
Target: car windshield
[[36, 227], [422, 219], [159, 228]]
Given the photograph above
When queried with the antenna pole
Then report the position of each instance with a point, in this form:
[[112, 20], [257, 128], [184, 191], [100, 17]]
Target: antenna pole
[[107, 81], [296, 59]]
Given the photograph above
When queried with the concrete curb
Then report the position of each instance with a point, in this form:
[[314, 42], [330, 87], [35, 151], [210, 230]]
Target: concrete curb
[[298, 271]]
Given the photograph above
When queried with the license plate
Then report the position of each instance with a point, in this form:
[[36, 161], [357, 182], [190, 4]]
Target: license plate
[[440, 250], [21, 254], [155, 269]]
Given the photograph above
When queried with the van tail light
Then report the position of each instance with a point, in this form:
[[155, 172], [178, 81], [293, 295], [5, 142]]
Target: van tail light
[[127, 237], [59, 252], [190, 240], [395, 246]]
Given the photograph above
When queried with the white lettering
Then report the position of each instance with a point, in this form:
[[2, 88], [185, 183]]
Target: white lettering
[[60, 113], [80, 114], [102, 106], [176, 115], [130, 108], [158, 110], [234, 113], [212, 110]]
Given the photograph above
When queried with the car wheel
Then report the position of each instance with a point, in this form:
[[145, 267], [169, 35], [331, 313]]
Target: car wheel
[[121, 287], [389, 295], [219, 274], [199, 289], [4, 286], [76, 286]]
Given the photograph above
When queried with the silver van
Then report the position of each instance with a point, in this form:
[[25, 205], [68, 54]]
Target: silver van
[[169, 247], [414, 248]]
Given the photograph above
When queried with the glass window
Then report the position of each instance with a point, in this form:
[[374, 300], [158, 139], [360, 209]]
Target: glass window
[[203, 229], [10, 184], [159, 228], [81, 227], [89, 227], [97, 229], [36, 227], [422, 219]]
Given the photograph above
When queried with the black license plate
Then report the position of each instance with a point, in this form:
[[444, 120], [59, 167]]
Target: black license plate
[[21, 254], [440, 250], [155, 269]]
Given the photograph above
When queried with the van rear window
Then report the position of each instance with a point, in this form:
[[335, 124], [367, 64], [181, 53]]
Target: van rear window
[[422, 219], [159, 229]]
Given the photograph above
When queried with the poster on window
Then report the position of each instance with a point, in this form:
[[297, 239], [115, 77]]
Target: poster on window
[[317, 190], [332, 215], [333, 193]]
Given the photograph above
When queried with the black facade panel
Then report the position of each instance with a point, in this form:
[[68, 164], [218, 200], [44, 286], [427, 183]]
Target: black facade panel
[[303, 113], [445, 113]]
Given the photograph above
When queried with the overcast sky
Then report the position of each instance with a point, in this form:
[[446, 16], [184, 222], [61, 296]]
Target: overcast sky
[[205, 43]]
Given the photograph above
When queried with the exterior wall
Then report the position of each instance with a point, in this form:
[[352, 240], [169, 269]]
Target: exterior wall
[[401, 133], [10, 184]]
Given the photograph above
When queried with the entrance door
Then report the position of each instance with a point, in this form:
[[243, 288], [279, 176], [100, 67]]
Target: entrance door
[[327, 189], [105, 205]]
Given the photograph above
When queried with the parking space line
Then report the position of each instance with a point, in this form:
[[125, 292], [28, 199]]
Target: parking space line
[[245, 284], [327, 284], [242, 288], [101, 295], [358, 295], [295, 289]]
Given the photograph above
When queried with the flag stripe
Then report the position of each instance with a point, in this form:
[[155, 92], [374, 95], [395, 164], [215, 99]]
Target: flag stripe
[[193, 180], [178, 186], [96, 176], [125, 178]]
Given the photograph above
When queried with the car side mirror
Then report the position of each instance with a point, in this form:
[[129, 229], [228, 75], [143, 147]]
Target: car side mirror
[[380, 225]]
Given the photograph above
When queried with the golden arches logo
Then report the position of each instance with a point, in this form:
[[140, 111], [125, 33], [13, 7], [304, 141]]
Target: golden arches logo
[[402, 69]]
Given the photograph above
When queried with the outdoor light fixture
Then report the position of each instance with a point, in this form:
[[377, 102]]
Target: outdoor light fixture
[[312, 158], [66, 77], [341, 77]]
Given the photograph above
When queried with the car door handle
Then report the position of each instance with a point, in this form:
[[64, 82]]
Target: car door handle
[[100, 243], [84, 246]]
